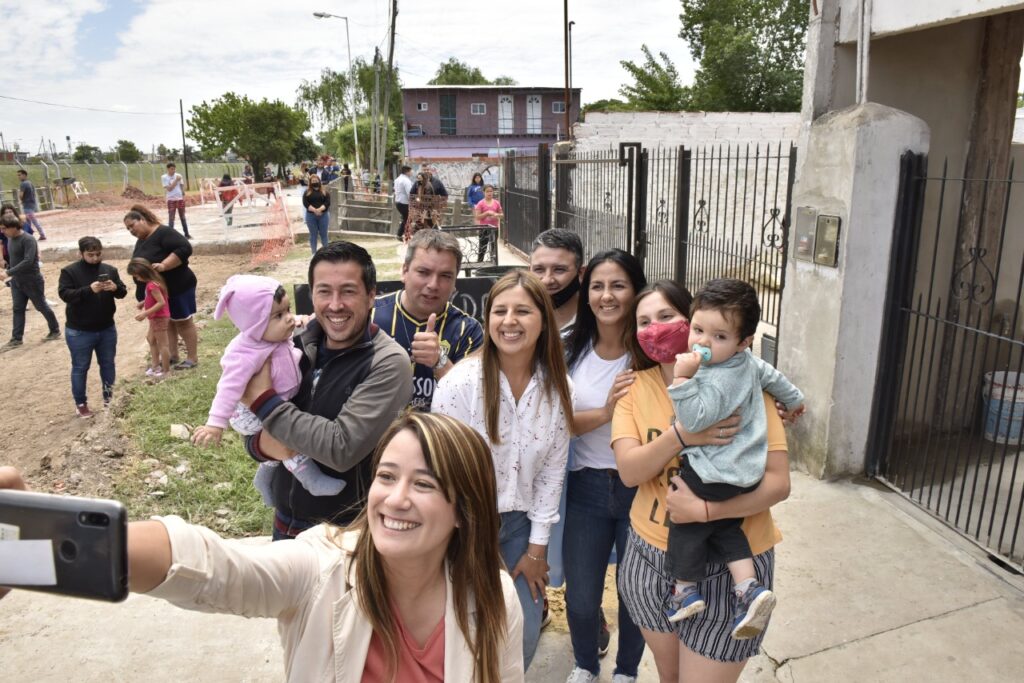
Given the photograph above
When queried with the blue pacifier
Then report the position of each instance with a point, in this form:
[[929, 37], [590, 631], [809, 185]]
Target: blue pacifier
[[705, 352]]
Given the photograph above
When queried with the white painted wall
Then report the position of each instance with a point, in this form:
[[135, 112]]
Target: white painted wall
[[899, 16], [670, 129]]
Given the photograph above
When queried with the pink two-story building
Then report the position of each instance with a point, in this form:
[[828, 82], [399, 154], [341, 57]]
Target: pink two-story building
[[463, 121]]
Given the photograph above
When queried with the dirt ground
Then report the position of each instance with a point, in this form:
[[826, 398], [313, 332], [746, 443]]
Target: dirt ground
[[43, 436]]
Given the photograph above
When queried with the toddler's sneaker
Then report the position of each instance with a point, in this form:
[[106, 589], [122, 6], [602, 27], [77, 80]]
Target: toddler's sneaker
[[753, 609], [684, 604]]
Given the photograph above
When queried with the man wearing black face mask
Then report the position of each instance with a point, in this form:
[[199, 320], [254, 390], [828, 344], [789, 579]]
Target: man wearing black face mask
[[557, 259]]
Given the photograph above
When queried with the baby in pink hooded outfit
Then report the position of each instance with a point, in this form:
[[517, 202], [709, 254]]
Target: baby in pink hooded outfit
[[259, 308]]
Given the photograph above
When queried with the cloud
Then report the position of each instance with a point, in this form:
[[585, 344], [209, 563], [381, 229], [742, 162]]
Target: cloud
[[197, 50]]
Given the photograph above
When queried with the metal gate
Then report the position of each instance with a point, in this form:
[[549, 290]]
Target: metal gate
[[527, 201], [948, 405]]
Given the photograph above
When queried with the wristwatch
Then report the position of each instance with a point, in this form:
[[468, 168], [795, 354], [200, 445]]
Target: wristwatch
[[442, 359]]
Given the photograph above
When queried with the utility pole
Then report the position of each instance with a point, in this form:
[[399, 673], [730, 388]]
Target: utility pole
[[184, 145], [565, 25], [387, 87]]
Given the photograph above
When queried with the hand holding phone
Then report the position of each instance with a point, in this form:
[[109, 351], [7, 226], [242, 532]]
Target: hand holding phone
[[62, 544], [103, 277]]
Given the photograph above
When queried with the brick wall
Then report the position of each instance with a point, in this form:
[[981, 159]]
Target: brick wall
[[671, 129]]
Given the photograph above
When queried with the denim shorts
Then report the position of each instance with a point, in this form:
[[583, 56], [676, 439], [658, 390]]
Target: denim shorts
[[644, 584], [183, 305]]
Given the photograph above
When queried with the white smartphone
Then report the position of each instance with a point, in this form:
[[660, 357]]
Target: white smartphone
[[63, 544]]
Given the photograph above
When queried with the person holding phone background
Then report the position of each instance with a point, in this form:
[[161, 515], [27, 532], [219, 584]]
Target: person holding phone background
[[88, 287]]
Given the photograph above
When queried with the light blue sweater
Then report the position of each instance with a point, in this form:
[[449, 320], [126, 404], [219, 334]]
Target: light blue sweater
[[715, 393]]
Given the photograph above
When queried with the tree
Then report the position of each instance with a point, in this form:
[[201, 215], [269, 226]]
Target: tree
[[750, 53], [655, 86], [341, 144], [127, 151], [504, 80], [85, 153], [326, 100], [167, 153], [607, 105], [259, 131], [454, 72], [304, 149]]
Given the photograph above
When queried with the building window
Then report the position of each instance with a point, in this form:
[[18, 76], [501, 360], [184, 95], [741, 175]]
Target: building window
[[558, 107], [477, 108], [506, 115], [448, 114], [421, 106], [533, 115]]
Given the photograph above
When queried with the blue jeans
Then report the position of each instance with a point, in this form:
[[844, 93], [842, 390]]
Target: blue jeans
[[514, 539], [317, 226], [82, 344], [596, 519]]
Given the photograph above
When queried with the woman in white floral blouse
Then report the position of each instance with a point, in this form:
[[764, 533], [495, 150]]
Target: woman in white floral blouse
[[516, 393]]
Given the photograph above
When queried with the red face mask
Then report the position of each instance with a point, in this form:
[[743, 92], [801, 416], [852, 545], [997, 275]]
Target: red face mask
[[662, 341]]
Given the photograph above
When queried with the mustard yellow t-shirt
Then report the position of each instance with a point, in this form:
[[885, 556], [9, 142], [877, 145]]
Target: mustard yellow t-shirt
[[643, 414]]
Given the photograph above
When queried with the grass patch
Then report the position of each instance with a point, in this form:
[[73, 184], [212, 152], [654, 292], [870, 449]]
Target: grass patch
[[217, 478]]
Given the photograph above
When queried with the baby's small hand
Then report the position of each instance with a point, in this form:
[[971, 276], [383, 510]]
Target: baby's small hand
[[301, 321], [206, 435], [687, 364], [790, 417]]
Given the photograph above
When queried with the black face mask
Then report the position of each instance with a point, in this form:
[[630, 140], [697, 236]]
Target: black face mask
[[562, 296]]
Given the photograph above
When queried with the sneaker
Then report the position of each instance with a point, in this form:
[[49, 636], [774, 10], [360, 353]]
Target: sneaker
[[545, 616], [604, 637], [753, 610], [685, 604], [42, 238], [150, 371], [579, 675], [83, 411], [623, 678], [174, 361], [185, 365], [12, 344], [52, 336]]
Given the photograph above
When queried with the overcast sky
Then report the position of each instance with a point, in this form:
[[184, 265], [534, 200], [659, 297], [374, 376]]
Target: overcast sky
[[143, 55]]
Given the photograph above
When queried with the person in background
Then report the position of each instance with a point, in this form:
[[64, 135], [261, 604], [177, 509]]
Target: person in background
[[89, 287], [318, 218], [346, 178], [487, 211], [475, 190], [26, 282], [175, 193], [154, 309], [557, 259], [29, 202], [403, 186], [412, 591], [227, 197]]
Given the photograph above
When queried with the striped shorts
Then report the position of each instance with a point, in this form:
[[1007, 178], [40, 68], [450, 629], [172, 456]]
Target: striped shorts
[[644, 585]]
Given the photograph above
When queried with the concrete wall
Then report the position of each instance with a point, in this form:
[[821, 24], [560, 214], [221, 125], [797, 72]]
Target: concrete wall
[[671, 129], [899, 16], [458, 147]]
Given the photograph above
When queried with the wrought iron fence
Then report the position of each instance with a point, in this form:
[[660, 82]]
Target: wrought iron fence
[[527, 203], [947, 414]]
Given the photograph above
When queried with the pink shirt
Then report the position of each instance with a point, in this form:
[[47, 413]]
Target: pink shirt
[[150, 300], [416, 664], [482, 206]]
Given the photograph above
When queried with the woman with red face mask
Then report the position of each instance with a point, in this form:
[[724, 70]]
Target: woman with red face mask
[[647, 440]]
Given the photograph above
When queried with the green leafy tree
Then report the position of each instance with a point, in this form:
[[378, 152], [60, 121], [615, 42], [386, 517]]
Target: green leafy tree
[[655, 85], [168, 153], [454, 72], [259, 131], [326, 100], [85, 153], [606, 105], [342, 146], [127, 151], [304, 149], [750, 53], [504, 80]]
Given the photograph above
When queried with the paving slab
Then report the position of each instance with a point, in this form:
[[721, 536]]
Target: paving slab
[[957, 646]]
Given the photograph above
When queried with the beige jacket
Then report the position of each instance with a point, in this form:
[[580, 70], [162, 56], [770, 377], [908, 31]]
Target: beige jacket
[[302, 584]]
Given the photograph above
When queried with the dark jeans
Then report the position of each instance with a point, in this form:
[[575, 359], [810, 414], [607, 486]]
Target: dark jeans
[[596, 519], [317, 226], [30, 289], [403, 211], [181, 212], [82, 345], [692, 546]]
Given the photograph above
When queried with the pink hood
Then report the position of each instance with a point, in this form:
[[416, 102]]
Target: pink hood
[[247, 299]]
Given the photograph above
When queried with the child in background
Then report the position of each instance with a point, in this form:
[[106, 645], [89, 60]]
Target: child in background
[[259, 308], [154, 307], [730, 380]]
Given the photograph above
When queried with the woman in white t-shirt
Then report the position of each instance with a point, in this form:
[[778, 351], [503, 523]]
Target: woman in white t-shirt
[[516, 393], [597, 502]]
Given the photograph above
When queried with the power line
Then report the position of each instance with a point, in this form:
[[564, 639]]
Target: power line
[[105, 111]]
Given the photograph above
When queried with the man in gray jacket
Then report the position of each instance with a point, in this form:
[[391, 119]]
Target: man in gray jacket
[[26, 282], [355, 381]]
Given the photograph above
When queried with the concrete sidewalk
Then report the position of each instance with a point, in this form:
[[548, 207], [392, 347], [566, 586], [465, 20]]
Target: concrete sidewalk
[[870, 589]]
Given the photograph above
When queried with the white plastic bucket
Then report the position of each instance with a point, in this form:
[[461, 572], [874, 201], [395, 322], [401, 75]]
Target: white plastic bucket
[[1003, 399]]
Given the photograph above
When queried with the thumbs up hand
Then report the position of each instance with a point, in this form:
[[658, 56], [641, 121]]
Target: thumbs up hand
[[426, 346]]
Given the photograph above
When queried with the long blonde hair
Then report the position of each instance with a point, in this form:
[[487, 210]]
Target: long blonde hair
[[547, 355], [461, 461]]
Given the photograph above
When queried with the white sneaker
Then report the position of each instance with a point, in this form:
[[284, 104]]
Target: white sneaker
[[623, 678], [579, 675]]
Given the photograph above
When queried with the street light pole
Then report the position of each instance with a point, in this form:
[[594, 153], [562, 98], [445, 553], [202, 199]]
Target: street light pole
[[351, 77]]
